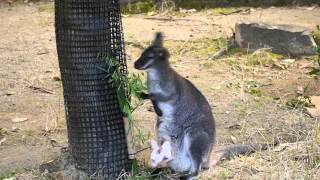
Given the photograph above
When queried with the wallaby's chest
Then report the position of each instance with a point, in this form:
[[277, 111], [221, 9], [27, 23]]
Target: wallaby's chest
[[154, 86]]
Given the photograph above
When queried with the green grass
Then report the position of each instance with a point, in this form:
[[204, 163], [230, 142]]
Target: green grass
[[143, 6], [316, 36], [262, 57], [46, 7], [203, 47]]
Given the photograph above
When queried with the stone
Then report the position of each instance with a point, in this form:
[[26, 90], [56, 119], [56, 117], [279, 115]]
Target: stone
[[282, 39]]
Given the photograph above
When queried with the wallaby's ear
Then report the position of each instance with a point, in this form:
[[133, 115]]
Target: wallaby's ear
[[158, 41], [154, 145]]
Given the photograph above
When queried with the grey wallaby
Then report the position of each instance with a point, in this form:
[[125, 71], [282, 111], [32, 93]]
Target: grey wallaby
[[184, 114]]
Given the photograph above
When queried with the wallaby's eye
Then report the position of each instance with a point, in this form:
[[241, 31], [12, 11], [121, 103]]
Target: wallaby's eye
[[165, 158]]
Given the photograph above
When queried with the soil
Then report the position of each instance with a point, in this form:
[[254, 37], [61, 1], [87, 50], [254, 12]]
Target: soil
[[30, 88]]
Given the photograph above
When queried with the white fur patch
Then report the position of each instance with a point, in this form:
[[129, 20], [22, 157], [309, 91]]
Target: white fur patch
[[160, 155], [181, 160], [149, 62], [167, 109]]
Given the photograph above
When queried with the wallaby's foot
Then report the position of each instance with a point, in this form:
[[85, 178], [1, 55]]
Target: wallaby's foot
[[205, 166], [188, 177], [198, 150]]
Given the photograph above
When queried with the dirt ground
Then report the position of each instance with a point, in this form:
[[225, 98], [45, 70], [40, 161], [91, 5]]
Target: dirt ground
[[248, 101]]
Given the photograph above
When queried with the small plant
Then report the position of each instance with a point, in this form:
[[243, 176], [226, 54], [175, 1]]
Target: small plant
[[299, 102], [137, 7], [316, 34], [262, 57], [316, 71]]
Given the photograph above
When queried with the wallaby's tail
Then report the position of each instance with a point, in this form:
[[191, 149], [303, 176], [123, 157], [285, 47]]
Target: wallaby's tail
[[236, 150]]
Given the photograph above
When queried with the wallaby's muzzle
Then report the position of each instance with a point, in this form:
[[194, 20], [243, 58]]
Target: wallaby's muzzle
[[138, 65], [143, 63]]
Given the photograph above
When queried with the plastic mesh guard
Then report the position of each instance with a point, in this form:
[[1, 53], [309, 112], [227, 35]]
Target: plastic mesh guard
[[85, 29]]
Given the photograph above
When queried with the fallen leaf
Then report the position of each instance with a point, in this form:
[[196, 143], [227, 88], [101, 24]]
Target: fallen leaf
[[313, 112], [14, 129], [234, 126], [152, 13], [2, 140], [310, 8], [289, 61], [3, 131], [9, 93], [216, 88], [17, 120], [278, 65], [56, 78], [300, 90], [233, 139], [305, 64], [54, 143], [43, 52]]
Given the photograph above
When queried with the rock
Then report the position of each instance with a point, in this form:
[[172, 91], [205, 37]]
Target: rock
[[283, 39]]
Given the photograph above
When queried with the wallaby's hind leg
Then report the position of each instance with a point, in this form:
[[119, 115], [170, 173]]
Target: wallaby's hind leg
[[198, 150], [206, 159]]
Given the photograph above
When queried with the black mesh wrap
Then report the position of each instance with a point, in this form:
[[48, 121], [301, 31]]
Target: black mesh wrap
[[85, 29]]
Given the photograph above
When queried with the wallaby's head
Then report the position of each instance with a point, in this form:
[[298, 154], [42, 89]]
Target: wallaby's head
[[154, 55]]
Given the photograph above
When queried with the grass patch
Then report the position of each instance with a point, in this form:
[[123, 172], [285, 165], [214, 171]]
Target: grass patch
[[203, 47], [262, 57], [8, 176], [299, 102], [143, 6], [46, 7], [28, 132]]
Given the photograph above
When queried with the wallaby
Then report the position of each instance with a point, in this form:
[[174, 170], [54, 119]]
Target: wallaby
[[183, 112]]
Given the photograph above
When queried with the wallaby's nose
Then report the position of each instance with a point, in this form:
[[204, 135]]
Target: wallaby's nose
[[137, 64]]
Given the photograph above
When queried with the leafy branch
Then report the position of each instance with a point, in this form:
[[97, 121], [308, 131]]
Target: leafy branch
[[128, 87]]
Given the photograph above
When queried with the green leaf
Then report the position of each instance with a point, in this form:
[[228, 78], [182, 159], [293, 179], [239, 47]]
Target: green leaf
[[134, 168], [315, 71]]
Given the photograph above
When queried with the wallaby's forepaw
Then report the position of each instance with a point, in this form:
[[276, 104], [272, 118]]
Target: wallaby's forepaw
[[144, 96], [187, 177]]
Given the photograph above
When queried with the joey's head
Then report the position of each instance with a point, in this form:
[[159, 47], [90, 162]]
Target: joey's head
[[154, 56], [160, 155]]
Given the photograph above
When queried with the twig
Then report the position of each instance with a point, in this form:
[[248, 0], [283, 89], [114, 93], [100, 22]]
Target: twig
[[236, 11], [143, 149], [231, 43], [175, 19], [41, 89], [135, 44]]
